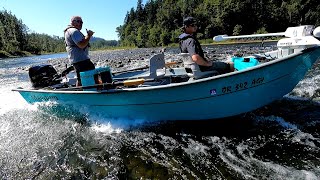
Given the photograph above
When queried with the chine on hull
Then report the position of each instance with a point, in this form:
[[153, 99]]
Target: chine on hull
[[209, 98]]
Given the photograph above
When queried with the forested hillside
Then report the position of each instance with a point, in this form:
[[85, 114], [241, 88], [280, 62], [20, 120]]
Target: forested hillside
[[158, 22], [16, 39]]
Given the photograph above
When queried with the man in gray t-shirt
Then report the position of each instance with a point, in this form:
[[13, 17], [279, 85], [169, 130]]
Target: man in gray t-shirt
[[77, 46], [189, 44]]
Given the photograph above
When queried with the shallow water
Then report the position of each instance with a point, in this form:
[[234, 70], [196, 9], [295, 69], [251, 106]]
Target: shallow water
[[278, 141]]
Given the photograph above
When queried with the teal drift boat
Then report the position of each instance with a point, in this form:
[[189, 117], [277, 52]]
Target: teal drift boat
[[186, 93]]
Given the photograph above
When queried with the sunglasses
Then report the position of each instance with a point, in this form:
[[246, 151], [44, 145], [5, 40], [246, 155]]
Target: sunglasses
[[78, 21], [193, 25]]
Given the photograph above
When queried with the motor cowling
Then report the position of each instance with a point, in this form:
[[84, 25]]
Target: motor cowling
[[43, 76], [316, 32]]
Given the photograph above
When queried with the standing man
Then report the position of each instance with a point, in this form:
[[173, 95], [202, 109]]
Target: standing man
[[77, 46], [189, 44]]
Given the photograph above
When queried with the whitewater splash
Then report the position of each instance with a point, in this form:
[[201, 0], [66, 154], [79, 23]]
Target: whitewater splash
[[279, 141], [309, 87], [11, 100]]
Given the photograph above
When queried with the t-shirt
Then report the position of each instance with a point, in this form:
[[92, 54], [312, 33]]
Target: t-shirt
[[72, 37], [189, 44]]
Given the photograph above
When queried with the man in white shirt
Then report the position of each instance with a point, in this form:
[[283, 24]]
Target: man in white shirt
[[77, 46]]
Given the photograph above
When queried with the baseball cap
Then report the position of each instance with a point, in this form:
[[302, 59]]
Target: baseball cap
[[189, 20]]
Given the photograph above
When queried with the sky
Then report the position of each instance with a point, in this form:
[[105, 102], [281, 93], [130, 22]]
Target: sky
[[52, 16]]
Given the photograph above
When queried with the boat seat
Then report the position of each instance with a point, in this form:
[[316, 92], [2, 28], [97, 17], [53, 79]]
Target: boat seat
[[156, 70], [157, 67], [196, 72]]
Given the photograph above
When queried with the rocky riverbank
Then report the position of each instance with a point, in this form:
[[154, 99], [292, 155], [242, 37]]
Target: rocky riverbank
[[128, 59], [116, 59]]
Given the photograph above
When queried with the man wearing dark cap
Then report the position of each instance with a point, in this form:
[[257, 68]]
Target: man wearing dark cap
[[189, 44]]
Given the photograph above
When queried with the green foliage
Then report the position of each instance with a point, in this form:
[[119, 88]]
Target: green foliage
[[16, 40], [174, 35], [237, 30], [12, 33], [154, 36], [142, 36], [261, 31], [4, 54], [158, 22], [206, 41], [102, 44]]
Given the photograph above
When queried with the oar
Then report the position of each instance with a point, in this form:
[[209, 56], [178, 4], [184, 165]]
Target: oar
[[299, 31], [172, 63], [129, 70], [127, 83], [71, 68], [226, 37], [144, 67]]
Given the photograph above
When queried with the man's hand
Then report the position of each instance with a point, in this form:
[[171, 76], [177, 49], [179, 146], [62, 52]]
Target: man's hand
[[89, 32], [85, 41]]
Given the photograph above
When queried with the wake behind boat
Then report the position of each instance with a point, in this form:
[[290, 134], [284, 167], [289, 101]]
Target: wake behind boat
[[164, 93]]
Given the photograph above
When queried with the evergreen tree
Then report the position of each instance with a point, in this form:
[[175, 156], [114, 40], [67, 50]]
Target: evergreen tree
[[163, 18], [158, 22]]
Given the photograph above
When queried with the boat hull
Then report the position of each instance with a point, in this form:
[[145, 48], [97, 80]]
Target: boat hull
[[210, 98]]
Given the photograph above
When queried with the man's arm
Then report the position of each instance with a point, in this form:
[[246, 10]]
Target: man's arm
[[85, 41], [200, 61], [191, 47]]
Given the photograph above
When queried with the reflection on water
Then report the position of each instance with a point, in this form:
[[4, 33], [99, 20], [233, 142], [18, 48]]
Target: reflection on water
[[278, 141]]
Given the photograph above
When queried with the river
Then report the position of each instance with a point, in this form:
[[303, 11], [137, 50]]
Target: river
[[278, 141]]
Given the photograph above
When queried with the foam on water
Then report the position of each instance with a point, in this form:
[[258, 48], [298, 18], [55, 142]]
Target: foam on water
[[105, 129], [27, 135], [82, 114], [98, 121], [12, 77], [308, 86], [306, 139], [11, 100], [278, 120], [119, 123], [244, 161]]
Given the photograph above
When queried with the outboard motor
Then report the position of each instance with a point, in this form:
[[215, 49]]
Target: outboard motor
[[43, 76], [316, 32]]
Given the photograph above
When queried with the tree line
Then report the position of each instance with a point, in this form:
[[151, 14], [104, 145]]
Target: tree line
[[159, 22], [17, 39]]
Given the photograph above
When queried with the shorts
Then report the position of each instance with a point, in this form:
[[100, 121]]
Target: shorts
[[221, 67], [81, 66]]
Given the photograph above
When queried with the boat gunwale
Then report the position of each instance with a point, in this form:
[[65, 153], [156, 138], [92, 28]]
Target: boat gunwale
[[172, 85]]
